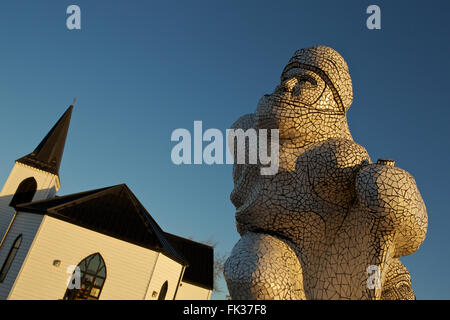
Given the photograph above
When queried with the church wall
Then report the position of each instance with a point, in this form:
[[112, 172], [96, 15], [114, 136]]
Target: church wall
[[47, 185], [168, 270], [129, 267], [26, 224], [188, 291]]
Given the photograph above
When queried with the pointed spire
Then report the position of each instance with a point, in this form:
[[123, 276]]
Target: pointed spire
[[48, 154]]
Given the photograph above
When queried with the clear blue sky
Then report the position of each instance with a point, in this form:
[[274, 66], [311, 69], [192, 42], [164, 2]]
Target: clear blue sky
[[141, 69]]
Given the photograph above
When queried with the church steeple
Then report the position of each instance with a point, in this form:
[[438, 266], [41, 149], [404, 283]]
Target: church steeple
[[48, 154]]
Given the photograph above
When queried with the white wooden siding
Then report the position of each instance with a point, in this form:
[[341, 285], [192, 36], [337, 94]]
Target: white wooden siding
[[168, 270], [188, 291], [129, 267], [26, 224]]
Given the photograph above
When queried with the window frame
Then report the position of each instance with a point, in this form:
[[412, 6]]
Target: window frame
[[164, 289], [10, 258], [85, 273], [25, 192]]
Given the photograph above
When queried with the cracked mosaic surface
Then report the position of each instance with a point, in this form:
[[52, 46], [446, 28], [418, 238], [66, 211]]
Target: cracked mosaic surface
[[312, 230]]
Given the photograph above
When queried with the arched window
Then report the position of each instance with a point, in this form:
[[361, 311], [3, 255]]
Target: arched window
[[163, 291], [25, 192], [92, 273], [10, 258]]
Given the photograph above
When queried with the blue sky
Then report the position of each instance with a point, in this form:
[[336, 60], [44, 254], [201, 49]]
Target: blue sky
[[141, 69]]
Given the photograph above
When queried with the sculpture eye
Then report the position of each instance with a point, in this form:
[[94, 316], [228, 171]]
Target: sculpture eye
[[302, 82], [306, 81]]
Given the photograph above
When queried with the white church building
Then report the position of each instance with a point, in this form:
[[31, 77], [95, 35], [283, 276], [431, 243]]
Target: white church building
[[98, 244]]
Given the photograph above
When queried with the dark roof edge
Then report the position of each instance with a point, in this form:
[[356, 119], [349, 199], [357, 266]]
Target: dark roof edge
[[189, 240], [27, 206], [171, 252], [194, 283]]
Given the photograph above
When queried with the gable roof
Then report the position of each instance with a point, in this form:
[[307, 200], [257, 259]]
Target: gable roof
[[200, 258], [114, 211], [48, 154]]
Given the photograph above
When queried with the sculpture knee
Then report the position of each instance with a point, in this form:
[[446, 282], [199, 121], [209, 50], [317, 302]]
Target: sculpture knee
[[263, 267]]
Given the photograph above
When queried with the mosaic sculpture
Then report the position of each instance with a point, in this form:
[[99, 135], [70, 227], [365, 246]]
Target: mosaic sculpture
[[330, 224]]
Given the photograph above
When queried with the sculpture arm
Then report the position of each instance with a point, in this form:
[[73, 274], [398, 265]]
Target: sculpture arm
[[330, 168], [390, 195]]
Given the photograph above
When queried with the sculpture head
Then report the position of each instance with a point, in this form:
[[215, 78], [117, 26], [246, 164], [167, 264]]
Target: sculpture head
[[312, 99]]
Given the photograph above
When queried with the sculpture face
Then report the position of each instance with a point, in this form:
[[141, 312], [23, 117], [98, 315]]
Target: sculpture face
[[303, 100], [313, 229]]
